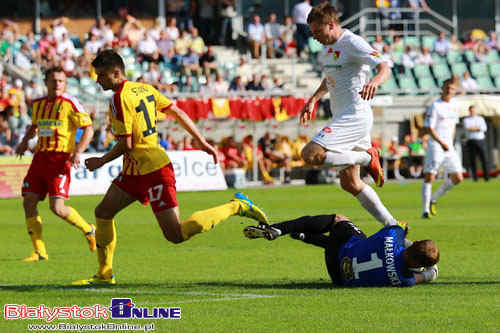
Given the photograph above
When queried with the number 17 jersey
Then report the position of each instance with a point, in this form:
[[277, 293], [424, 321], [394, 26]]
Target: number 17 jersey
[[376, 260], [133, 112]]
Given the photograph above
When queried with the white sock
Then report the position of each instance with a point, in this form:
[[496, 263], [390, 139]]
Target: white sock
[[426, 196], [346, 158], [442, 190], [407, 243], [371, 202]]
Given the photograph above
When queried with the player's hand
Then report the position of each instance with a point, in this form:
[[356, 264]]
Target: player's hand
[[369, 91], [445, 147], [209, 149], [306, 112], [75, 160], [93, 163], [21, 148]]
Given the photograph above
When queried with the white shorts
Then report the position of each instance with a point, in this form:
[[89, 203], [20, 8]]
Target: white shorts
[[346, 136], [436, 157]]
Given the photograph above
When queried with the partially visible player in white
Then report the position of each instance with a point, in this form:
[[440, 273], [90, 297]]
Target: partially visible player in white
[[440, 122], [346, 142]]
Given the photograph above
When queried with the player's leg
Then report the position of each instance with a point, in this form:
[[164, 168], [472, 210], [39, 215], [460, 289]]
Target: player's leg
[[351, 182], [429, 178], [433, 160], [483, 157], [315, 154], [34, 226], [471, 145], [453, 167]]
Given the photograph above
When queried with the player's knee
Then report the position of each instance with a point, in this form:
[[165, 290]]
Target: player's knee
[[312, 157], [58, 210], [457, 178], [29, 204], [173, 237], [102, 213], [351, 185]]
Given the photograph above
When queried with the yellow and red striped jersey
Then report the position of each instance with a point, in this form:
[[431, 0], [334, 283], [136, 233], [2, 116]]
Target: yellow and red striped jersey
[[57, 120], [134, 111]]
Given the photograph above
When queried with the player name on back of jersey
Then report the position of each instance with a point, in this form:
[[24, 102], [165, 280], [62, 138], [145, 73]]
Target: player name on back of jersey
[[390, 261]]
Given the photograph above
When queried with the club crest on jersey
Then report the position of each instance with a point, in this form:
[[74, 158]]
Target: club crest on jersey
[[336, 55], [327, 130]]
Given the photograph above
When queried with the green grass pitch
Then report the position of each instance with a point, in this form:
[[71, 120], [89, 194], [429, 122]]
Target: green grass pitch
[[226, 283]]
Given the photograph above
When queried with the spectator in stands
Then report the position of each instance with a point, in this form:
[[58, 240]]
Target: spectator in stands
[[255, 84], [387, 56], [248, 151], [227, 12], [273, 35], [455, 44], [5, 136], [189, 86], [256, 36], [493, 40], [197, 43], [408, 57], [103, 31], [147, 49], [237, 84], [442, 45], [220, 85], [59, 28], [133, 31], [424, 57], [182, 43], [208, 61], [417, 153], [93, 44], [470, 42], [206, 16], [153, 74], [47, 44], [468, 83], [23, 59], [398, 44], [276, 86], [16, 96], [378, 44], [83, 64], [191, 63], [67, 63], [395, 154], [234, 158], [164, 44], [273, 155], [171, 29], [33, 91], [287, 35], [481, 52], [4, 98], [266, 82], [300, 13], [208, 88], [17, 124], [65, 44]]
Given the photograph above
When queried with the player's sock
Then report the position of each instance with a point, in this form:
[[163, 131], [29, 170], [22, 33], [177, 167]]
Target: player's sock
[[426, 196], [372, 203], [442, 190], [306, 224], [314, 239], [34, 226], [205, 220], [106, 243], [407, 243], [346, 158], [77, 220]]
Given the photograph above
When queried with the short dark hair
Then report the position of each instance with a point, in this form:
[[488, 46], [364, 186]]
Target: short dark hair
[[52, 70], [323, 14], [109, 59], [425, 253]]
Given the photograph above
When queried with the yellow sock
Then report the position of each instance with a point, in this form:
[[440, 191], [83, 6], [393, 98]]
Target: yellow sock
[[204, 220], [34, 226], [267, 176], [106, 242], [75, 219]]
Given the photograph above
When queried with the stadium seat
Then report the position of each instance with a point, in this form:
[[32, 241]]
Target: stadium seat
[[422, 70], [396, 57], [469, 56], [438, 59], [497, 81], [485, 83], [458, 68], [73, 90], [492, 56], [478, 69], [72, 81], [454, 57], [494, 69], [427, 84], [77, 52], [126, 51], [408, 85], [428, 41], [412, 40], [388, 86], [441, 71], [86, 81]]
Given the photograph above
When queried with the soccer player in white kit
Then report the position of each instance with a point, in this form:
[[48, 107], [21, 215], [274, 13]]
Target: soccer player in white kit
[[346, 143], [440, 122]]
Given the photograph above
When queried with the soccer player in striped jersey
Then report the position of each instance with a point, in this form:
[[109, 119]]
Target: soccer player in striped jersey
[[55, 120], [147, 174]]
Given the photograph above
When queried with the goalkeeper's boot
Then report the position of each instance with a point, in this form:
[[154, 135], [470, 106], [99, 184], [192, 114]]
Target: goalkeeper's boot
[[95, 281], [261, 231], [433, 208], [35, 256], [374, 168], [249, 209], [90, 236]]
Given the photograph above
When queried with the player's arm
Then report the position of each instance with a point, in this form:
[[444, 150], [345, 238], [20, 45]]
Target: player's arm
[[428, 275], [370, 89], [432, 132], [88, 134], [308, 109], [123, 145], [23, 146], [191, 128]]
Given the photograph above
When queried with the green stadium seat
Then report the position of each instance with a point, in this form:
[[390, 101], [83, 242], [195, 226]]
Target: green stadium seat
[[72, 81], [458, 68], [396, 56], [441, 71], [412, 40], [497, 81], [494, 69], [86, 81], [388, 86], [469, 56], [427, 84], [73, 90], [485, 83], [493, 56], [428, 41], [438, 59], [408, 85], [453, 57], [126, 51], [478, 69], [422, 70], [370, 39]]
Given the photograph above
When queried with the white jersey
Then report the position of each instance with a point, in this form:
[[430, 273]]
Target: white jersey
[[346, 66], [442, 117]]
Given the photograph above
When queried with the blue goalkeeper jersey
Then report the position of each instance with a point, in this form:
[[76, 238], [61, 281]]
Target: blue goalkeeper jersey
[[376, 260]]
